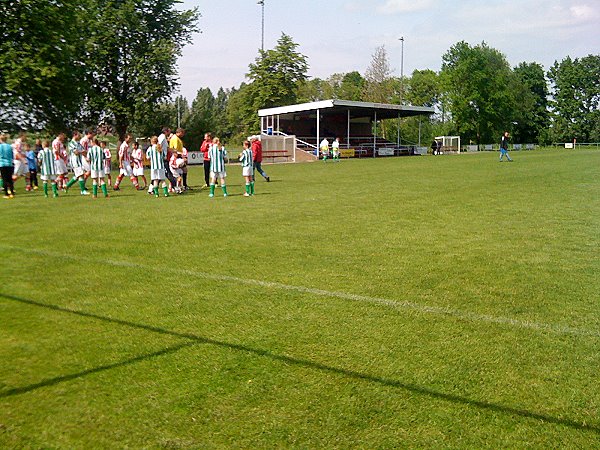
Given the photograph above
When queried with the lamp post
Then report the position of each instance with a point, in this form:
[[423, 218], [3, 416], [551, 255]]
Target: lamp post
[[402, 57], [262, 42]]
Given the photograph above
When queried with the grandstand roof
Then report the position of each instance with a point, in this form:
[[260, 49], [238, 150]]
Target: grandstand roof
[[356, 109]]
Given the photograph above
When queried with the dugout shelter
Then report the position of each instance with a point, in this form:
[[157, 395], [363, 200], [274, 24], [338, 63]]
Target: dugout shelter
[[355, 123]]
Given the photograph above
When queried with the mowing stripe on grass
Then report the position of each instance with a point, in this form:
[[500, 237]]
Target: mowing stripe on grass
[[394, 304]]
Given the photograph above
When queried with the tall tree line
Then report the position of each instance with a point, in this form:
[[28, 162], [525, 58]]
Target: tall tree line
[[70, 63]]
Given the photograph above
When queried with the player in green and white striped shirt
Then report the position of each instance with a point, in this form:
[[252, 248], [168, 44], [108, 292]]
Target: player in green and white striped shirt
[[95, 157], [76, 160], [216, 155], [247, 168], [157, 156], [47, 173]]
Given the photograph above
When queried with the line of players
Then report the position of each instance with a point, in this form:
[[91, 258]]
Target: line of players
[[91, 158]]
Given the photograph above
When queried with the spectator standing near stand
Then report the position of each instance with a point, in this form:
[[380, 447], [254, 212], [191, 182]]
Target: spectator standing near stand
[[504, 147], [257, 156], [324, 147], [6, 167], [206, 160]]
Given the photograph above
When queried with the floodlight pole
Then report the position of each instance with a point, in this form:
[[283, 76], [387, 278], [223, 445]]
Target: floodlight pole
[[262, 42]]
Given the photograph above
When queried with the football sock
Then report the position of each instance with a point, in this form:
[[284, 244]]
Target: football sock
[[166, 191], [71, 182], [212, 189], [95, 190], [224, 189], [46, 189], [1, 183], [155, 189], [81, 185], [252, 188], [55, 189], [104, 190], [248, 188]]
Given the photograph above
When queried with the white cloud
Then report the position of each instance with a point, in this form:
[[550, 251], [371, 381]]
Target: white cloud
[[584, 12], [403, 6]]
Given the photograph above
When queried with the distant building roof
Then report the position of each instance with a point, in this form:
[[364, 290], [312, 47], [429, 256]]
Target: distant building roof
[[357, 109]]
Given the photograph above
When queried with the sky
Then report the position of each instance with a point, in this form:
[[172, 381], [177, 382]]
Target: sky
[[339, 36]]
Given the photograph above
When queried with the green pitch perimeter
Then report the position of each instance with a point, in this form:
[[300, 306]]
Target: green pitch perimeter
[[426, 302]]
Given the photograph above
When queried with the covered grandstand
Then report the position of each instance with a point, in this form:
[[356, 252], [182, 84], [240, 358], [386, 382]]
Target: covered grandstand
[[355, 123]]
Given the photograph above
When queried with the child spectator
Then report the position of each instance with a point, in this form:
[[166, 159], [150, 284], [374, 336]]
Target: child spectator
[[32, 166], [47, 160], [175, 164], [247, 168], [217, 155], [156, 156]]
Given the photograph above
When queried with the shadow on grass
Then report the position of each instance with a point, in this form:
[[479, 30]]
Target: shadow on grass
[[416, 389], [74, 376]]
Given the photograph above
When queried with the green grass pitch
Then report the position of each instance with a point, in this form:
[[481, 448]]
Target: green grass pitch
[[427, 302]]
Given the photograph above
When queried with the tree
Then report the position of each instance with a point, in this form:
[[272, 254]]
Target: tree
[[423, 88], [275, 76], [532, 114], [40, 76], [576, 99], [131, 53], [377, 86], [201, 118], [478, 81]]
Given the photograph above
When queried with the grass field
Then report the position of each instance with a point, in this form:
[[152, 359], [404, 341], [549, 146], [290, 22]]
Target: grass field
[[425, 302]]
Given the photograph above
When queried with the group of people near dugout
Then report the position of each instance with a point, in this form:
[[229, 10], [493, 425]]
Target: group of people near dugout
[[89, 157]]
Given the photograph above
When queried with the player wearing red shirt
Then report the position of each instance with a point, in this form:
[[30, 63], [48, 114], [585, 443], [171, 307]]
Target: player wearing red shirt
[[257, 156], [204, 149]]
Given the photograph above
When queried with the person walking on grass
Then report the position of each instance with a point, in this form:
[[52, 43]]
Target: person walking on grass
[[76, 160], [107, 161], [20, 161], [247, 168], [46, 158], [324, 147], [258, 157], [335, 149], [95, 157], [6, 167], [217, 154], [504, 147]]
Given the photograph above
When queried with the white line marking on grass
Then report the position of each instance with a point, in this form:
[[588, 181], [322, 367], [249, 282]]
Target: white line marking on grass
[[394, 304]]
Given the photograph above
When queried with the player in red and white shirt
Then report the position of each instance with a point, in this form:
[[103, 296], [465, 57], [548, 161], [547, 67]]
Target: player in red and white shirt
[[125, 164], [86, 143], [20, 161], [137, 157], [60, 160], [107, 161]]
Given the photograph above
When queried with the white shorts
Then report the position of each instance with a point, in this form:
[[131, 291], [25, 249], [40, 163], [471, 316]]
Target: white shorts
[[86, 166], [246, 171], [97, 174], [19, 168], [60, 167], [78, 171], [176, 172], [138, 172], [48, 177], [126, 169], [157, 174], [215, 175], [107, 168]]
